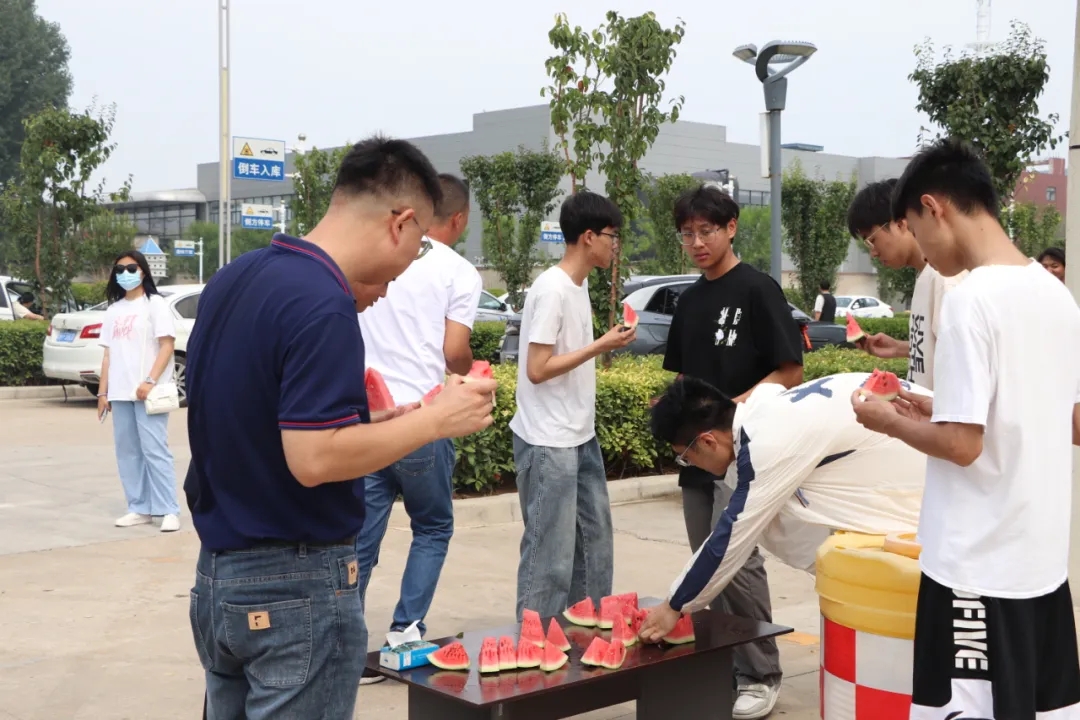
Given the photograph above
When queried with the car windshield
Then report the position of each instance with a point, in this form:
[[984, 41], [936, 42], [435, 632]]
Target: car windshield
[[640, 298], [843, 301]]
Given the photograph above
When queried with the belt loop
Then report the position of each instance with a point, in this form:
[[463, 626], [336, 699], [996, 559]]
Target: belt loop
[[303, 551]]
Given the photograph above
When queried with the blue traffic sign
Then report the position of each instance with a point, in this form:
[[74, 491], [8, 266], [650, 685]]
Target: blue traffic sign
[[550, 232], [258, 159], [184, 252], [254, 222]]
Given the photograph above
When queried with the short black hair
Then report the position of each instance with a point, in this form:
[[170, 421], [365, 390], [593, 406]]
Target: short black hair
[[705, 202], [952, 169], [113, 291], [26, 297], [688, 408], [455, 196], [824, 285], [1053, 253], [384, 166], [871, 207], [584, 211]]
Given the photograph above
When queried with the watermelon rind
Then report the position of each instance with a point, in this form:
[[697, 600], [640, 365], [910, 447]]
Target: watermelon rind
[[489, 656], [884, 384], [431, 394], [614, 657], [630, 316], [450, 657], [378, 394], [621, 633], [529, 655], [854, 332], [594, 655], [609, 608], [582, 613], [556, 636], [682, 633], [531, 628], [507, 653], [553, 659]]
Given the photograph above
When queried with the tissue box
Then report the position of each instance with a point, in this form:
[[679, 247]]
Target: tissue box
[[407, 656]]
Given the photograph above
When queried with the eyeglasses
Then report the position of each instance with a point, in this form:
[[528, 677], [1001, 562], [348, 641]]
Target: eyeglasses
[[681, 460], [615, 238], [130, 267], [688, 237], [425, 244], [869, 239]]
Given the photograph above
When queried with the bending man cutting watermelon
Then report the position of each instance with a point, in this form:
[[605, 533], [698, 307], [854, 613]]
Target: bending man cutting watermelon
[[804, 468]]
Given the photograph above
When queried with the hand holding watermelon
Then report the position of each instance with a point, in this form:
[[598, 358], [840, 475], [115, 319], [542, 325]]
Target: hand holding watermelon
[[463, 408], [659, 623], [616, 338]]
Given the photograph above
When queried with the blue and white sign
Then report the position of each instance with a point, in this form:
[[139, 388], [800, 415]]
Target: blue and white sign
[[150, 247], [258, 159], [183, 248], [257, 217], [550, 232]]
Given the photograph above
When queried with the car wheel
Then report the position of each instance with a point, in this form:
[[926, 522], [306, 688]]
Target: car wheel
[[180, 378]]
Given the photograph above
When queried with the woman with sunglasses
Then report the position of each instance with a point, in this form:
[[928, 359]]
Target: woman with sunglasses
[[138, 335]]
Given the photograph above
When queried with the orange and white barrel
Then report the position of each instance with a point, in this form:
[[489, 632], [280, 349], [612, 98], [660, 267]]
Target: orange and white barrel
[[867, 588]]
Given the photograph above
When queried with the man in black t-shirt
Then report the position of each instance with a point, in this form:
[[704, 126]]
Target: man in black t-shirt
[[732, 328], [825, 304]]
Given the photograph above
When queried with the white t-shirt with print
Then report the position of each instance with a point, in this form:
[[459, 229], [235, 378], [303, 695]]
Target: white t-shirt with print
[[924, 323], [130, 331], [1007, 359], [404, 332], [560, 412]]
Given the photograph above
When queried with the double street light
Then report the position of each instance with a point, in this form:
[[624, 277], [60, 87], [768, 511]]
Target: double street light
[[773, 63]]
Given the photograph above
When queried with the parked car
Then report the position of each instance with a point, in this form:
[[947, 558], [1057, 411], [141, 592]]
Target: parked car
[[862, 306], [72, 351], [492, 309], [11, 290]]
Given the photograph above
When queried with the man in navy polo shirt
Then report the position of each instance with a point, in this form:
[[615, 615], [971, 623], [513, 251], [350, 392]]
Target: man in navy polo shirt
[[280, 429]]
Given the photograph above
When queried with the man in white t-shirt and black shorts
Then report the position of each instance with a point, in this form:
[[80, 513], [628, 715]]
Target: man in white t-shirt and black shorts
[[994, 630], [891, 243], [413, 337]]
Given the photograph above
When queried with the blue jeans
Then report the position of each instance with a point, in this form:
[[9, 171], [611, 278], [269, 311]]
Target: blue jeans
[[424, 479], [144, 459], [279, 631], [567, 550]]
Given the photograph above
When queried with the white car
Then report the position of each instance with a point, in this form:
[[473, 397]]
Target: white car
[[11, 290], [492, 309], [72, 351], [862, 306]]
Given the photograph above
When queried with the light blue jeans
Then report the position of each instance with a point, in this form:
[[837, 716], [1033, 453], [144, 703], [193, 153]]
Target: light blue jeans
[[144, 459], [424, 480], [567, 550], [279, 631]]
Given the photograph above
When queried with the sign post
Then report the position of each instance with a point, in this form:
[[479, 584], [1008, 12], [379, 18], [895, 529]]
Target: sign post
[[257, 217]]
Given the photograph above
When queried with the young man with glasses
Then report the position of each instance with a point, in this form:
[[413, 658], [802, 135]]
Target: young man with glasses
[[892, 244], [567, 549], [803, 467], [733, 329]]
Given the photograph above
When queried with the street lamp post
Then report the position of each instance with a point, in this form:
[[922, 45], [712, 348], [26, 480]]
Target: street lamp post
[[224, 161], [1072, 273], [773, 63]]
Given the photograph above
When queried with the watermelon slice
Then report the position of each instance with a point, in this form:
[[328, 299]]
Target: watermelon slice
[[431, 395], [629, 316], [553, 659], [450, 657], [683, 632], [556, 636], [637, 620], [489, 656], [594, 655], [529, 655], [882, 383], [614, 657], [531, 628], [507, 653], [854, 332], [378, 395], [621, 632], [630, 605], [481, 369], [582, 613], [609, 608]]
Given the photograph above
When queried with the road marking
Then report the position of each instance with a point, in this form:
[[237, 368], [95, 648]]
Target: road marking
[[800, 638]]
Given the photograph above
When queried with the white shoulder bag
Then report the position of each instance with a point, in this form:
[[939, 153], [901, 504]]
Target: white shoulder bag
[[163, 397]]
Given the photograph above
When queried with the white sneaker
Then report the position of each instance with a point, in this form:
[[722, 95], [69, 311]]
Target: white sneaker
[[755, 701], [133, 519], [170, 523]]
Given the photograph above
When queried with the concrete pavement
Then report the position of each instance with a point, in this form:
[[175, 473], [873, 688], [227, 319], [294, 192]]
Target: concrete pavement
[[94, 619]]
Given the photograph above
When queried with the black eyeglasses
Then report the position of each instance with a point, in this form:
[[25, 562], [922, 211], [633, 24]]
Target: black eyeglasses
[[130, 267], [425, 244]]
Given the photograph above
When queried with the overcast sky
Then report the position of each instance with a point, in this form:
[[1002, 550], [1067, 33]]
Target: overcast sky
[[338, 70]]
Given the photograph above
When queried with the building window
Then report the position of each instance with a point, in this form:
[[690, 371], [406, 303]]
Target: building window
[[1051, 194]]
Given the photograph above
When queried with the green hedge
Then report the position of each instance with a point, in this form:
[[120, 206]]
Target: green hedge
[[20, 352], [486, 340], [89, 293], [896, 327]]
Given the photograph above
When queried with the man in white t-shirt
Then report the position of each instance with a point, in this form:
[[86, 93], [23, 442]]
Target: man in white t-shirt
[[413, 337], [891, 242], [802, 467], [994, 630], [567, 548]]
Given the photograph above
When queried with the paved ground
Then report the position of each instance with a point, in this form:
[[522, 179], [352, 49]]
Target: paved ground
[[94, 619]]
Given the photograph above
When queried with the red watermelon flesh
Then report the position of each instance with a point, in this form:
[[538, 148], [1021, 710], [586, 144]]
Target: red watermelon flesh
[[553, 659], [882, 383], [556, 636], [594, 655], [378, 395], [529, 655], [481, 369], [637, 620], [450, 657], [431, 394], [609, 608], [614, 657], [531, 628], [683, 632], [854, 332], [621, 632], [489, 656], [629, 316], [582, 613], [630, 604], [507, 653]]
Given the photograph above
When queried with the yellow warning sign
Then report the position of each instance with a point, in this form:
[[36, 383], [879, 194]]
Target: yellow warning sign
[[246, 151], [250, 210]]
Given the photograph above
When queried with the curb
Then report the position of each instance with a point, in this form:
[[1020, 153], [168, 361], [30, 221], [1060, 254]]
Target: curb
[[502, 509], [44, 392]]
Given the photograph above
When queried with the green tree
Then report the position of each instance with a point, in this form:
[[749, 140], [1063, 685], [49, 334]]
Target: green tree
[[33, 75], [316, 170], [895, 283], [752, 239], [1034, 228], [243, 240], [660, 194], [814, 214], [51, 200], [991, 101], [103, 237], [515, 192]]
